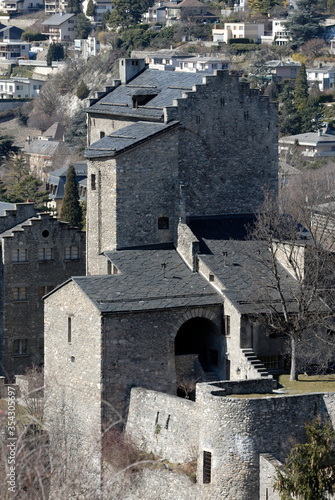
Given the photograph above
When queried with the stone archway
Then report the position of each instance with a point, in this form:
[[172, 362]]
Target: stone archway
[[198, 344]]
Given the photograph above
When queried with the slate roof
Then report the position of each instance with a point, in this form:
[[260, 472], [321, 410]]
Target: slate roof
[[169, 86], [57, 19], [246, 277], [308, 139], [143, 284], [41, 147], [58, 178], [126, 138], [241, 265], [6, 206], [56, 132]]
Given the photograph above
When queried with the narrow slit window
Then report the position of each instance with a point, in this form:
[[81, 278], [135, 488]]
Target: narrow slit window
[[69, 330], [207, 469], [226, 325], [93, 184]]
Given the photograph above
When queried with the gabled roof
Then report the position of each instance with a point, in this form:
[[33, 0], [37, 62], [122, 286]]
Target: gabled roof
[[58, 178], [146, 285], [41, 147], [192, 3], [56, 132], [126, 138], [57, 19]]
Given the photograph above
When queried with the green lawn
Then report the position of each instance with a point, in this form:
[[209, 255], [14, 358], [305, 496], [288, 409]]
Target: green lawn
[[306, 384]]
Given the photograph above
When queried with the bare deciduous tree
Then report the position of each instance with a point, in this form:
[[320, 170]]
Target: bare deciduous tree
[[295, 248]]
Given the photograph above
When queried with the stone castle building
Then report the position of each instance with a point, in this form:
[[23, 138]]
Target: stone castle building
[[177, 163], [37, 253]]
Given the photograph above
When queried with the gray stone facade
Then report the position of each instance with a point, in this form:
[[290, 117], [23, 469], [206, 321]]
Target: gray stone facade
[[216, 161], [37, 254], [234, 431], [176, 167]]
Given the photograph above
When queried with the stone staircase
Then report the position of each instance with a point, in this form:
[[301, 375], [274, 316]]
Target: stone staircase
[[255, 362]]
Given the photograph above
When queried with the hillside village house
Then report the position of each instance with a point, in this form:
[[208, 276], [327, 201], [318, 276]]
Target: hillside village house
[[191, 10], [322, 75], [19, 87], [55, 6], [100, 8], [56, 185], [87, 47], [205, 64], [156, 14], [20, 6], [37, 253], [60, 27], [44, 155], [312, 144], [252, 31], [11, 46]]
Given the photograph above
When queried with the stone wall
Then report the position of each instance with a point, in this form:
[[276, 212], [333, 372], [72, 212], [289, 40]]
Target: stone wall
[[140, 349], [73, 380], [23, 318], [132, 192], [235, 431], [227, 146], [158, 421], [21, 213], [267, 466], [187, 245], [222, 155]]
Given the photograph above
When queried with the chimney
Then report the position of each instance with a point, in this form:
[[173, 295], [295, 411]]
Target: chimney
[[319, 132], [129, 68]]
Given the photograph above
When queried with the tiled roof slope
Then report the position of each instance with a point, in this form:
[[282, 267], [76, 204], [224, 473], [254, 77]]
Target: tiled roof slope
[[126, 138], [146, 285], [169, 85]]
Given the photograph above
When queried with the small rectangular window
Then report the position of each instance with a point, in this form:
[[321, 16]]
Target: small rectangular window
[[19, 255], [45, 254], [20, 293], [93, 185], [226, 325], [20, 346], [72, 253], [207, 467], [69, 330], [43, 290]]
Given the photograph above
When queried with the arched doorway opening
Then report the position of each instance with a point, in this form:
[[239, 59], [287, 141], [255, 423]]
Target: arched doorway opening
[[198, 341]]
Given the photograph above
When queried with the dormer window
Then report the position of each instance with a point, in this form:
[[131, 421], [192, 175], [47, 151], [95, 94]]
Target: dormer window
[[141, 97]]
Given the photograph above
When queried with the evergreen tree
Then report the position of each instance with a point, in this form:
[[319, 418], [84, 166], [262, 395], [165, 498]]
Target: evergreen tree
[[301, 88], [28, 188], [264, 6], [309, 471], [82, 90], [83, 26], [6, 147], [289, 118], [311, 115], [71, 210], [77, 130], [90, 11], [305, 23], [73, 6], [128, 12], [55, 52]]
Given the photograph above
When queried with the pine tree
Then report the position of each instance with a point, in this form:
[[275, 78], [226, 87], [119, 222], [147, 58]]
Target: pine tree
[[71, 210], [90, 11], [309, 471], [55, 52], [305, 23], [301, 88], [82, 90]]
